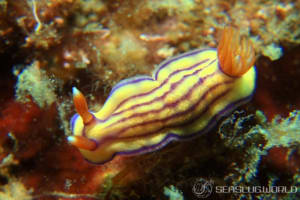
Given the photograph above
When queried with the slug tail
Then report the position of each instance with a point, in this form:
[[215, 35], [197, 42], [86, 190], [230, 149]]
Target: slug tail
[[236, 54]]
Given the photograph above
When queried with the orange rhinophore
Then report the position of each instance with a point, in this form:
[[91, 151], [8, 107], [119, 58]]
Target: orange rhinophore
[[82, 142], [81, 106], [236, 54]]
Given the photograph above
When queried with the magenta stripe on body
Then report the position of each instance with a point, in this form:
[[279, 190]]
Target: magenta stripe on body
[[165, 82], [172, 136], [173, 87], [140, 78], [167, 62], [191, 120], [127, 81], [174, 104]]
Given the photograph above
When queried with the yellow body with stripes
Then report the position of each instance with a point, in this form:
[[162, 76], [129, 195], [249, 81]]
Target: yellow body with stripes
[[185, 96]]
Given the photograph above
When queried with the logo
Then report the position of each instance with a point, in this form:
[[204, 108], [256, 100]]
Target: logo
[[202, 188]]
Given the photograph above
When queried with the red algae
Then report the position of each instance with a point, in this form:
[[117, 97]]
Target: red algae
[[277, 83], [12, 121], [21, 123], [281, 159]]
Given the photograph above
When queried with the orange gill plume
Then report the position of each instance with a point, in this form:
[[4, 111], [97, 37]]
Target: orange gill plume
[[235, 53]]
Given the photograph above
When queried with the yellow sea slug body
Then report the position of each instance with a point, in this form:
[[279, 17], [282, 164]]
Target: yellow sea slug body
[[185, 96]]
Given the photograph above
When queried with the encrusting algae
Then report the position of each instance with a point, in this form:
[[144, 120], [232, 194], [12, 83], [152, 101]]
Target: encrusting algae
[[34, 83]]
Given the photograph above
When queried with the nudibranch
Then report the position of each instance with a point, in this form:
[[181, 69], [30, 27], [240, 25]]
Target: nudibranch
[[185, 96]]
